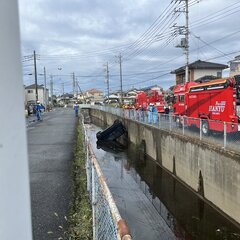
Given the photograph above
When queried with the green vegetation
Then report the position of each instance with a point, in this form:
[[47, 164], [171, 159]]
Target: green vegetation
[[80, 217]]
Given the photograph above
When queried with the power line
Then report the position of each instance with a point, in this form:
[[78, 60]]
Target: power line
[[208, 44], [216, 16]]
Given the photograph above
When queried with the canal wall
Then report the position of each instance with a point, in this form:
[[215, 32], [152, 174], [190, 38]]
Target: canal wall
[[211, 172]]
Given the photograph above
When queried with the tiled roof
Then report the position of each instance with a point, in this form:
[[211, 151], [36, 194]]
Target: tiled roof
[[201, 65], [94, 91], [33, 86]]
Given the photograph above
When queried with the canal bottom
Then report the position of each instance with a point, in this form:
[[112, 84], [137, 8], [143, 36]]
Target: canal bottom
[[156, 205]]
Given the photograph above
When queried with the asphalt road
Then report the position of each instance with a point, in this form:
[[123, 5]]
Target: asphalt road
[[50, 147]]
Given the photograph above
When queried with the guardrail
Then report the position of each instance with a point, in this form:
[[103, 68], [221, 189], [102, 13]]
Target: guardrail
[[192, 127], [107, 221]]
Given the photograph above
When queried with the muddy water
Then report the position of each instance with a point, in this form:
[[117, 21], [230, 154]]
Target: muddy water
[[156, 205]]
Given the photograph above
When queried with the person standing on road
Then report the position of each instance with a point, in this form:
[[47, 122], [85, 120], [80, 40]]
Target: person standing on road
[[38, 109], [76, 108]]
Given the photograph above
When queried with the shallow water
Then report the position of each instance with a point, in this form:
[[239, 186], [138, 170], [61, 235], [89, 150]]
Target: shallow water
[[156, 205]]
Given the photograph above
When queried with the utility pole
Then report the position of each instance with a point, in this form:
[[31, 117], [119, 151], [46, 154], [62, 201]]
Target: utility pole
[[187, 43], [73, 83], [63, 88], [120, 63], [35, 74], [107, 70], [45, 87], [184, 30], [81, 91], [76, 89], [51, 89]]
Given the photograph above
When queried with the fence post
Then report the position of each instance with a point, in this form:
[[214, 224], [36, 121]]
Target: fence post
[[93, 202], [183, 126], [88, 169], [170, 121], [200, 129], [224, 135], [159, 119]]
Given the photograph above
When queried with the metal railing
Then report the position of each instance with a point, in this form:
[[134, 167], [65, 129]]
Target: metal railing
[[227, 136], [107, 221]]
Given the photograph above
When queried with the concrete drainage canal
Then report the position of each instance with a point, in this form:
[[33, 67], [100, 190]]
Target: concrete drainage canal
[[154, 204]]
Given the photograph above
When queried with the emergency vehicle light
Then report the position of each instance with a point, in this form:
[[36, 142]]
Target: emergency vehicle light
[[212, 88], [196, 89]]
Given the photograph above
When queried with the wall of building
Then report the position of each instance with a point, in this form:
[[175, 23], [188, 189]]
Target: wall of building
[[210, 171], [235, 67], [32, 96], [203, 72]]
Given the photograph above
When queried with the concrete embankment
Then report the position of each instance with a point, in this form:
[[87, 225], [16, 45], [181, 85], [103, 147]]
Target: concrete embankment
[[211, 172]]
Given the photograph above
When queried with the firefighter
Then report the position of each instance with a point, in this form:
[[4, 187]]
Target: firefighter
[[150, 113], [166, 111], [155, 114]]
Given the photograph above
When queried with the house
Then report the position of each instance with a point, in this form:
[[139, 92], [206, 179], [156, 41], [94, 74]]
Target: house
[[113, 98], [130, 97], [94, 95], [199, 69], [235, 66], [30, 94]]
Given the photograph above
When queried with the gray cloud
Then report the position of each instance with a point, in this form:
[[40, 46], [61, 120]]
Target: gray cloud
[[81, 36]]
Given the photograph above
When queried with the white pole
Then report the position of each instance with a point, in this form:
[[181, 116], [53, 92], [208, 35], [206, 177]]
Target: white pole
[[224, 135], [45, 88], [15, 211], [200, 129], [94, 202]]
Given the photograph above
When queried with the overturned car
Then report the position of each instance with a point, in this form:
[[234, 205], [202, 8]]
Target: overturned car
[[111, 133]]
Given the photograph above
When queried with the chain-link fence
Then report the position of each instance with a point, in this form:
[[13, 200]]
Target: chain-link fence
[[223, 134], [107, 222]]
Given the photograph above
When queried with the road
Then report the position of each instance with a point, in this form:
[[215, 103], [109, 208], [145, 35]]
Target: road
[[50, 147]]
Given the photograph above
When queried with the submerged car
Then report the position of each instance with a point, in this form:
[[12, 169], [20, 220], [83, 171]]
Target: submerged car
[[113, 132]]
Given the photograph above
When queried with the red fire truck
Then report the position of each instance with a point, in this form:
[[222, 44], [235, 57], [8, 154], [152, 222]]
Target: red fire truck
[[155, 96], [214, 102]]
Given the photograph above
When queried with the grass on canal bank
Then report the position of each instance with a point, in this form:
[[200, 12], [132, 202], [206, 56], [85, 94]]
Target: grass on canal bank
[[80, 217]]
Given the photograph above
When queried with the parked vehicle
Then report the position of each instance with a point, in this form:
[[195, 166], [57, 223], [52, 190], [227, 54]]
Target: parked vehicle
[[214, 102], [155, 96]]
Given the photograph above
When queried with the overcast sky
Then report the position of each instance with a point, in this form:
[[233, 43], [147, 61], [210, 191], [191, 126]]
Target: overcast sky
[[81, 36]]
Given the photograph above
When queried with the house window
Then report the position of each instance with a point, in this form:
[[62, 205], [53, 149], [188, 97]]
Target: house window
[[30, 91], [219, 74]]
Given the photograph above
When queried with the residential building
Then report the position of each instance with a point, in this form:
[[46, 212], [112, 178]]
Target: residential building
[[94, 95], [235, 66], [30, 94], [199, 69], [129, 96]]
